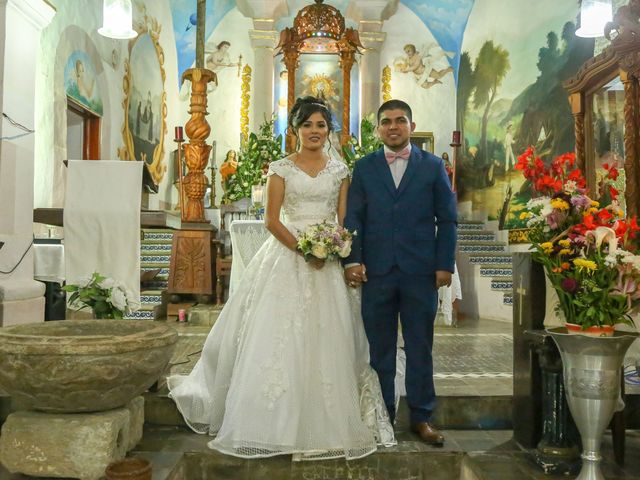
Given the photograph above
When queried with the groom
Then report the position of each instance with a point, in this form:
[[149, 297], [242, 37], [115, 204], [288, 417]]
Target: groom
[[401, 205]]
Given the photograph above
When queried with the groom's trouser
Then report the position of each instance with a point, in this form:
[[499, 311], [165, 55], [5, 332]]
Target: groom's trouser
[[415, 298]]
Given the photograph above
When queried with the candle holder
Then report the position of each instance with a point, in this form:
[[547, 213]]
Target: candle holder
[[455, 145]]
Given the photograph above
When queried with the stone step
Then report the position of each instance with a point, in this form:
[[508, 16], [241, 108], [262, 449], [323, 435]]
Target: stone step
[[491, 259], [454, 412], [159, 248], [481, 246], [507, 299], [479, 236], [502, 284], [495, 271], [465, 226], [157, 260]]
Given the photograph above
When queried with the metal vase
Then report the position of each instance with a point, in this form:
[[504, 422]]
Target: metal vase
[[592, 376]]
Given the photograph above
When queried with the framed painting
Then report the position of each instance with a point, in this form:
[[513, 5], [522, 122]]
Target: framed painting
[[423, 140], [144, 102], [80, 82]]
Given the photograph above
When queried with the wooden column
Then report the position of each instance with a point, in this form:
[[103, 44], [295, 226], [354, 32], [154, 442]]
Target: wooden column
[[347, 58], [631, 163]]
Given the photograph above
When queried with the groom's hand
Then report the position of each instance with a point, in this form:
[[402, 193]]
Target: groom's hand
[[443, 278], [355, 275]]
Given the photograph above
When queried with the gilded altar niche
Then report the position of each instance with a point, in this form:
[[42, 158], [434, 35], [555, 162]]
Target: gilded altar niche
[[604, 97]]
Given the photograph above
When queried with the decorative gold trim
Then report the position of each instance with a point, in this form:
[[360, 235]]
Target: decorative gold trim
[[419, 138], [157, 168], [246, 100], [386, 84], [519, 235]]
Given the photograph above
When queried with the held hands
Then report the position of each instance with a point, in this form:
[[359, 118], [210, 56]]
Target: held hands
[[443, 278], [355, 275]]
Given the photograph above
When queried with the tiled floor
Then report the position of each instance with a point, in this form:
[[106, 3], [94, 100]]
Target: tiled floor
[[472, 359]]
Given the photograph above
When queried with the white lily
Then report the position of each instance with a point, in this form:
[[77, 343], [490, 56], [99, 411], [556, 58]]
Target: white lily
[[602, 234]]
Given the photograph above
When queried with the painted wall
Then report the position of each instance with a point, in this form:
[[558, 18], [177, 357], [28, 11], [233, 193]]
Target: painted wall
[[510, 95]]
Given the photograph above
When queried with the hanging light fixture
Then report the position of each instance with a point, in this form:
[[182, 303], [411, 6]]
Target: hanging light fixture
[[594, 15], [117, 20]]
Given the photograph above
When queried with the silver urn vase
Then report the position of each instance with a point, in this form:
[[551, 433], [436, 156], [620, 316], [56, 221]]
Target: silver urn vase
[[592, 376]]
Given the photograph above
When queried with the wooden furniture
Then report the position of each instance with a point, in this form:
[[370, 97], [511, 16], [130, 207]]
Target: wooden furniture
[[191, 260], [223, 271], [604, 97]]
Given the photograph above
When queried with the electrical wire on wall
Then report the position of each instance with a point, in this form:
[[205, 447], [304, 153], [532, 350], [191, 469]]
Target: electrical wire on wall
[[19, 261], [27, 131]]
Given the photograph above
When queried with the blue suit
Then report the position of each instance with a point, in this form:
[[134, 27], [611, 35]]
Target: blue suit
[[404, 235]]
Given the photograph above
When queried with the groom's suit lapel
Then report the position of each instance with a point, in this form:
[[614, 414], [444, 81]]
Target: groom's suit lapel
[[384, 171], [410, 172]]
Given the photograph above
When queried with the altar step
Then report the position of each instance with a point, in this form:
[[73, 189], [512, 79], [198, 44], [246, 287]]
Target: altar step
[[155, 255], [484, 265]]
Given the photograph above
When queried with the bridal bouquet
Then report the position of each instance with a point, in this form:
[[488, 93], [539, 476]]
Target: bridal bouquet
[[106, 297], [325, 241], [589, 250]]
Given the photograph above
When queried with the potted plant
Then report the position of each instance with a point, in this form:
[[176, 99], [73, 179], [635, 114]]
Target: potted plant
[[106, 297], [589, 251]]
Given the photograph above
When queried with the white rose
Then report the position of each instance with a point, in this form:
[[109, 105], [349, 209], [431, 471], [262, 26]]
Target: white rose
[[107, 283], [345, 250], [118, 299], [319, 251]]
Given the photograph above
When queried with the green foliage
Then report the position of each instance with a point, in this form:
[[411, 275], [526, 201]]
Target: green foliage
[[369, 143], [106, 297], [255, 156]]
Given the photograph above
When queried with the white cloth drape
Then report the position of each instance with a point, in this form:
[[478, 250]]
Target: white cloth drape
[[247, 236], [102, 221]]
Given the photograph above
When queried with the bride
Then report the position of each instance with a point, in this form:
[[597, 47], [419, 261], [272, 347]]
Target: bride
[[285, 368]]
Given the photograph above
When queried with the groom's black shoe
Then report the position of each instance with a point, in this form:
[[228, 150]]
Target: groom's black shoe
[[428, 433]]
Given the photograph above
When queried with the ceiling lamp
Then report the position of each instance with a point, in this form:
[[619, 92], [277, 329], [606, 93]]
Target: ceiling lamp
[[594, 15], [319, 27], [117, 20]]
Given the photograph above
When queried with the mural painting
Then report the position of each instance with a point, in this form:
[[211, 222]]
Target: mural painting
[[510, 96], [80, 82], [145, 104]]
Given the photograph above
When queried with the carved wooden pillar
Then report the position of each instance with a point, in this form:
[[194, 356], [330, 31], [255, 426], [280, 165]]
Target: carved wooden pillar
[[631, 164], [577, 109], [291, 56], [196, 152], [347, 58]]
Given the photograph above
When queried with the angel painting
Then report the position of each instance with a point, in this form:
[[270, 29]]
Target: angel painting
[[428, 65]]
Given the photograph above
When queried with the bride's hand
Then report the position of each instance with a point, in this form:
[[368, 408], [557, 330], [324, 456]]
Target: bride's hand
[[316, 263]]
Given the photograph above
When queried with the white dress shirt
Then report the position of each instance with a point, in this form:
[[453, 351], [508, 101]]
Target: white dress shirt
[[399, 166]]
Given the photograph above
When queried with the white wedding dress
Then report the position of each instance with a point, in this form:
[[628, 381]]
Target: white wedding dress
[[285, 369]]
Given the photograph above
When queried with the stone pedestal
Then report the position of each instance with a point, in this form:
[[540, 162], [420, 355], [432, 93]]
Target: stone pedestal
[[76, 445]]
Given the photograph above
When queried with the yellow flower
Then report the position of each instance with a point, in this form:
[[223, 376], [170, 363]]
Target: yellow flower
[[547, 247], [589, 211], [524, 215], [559, 204], [564, 243], [595, 204], [584, 263], [565, 251], [620, 213]]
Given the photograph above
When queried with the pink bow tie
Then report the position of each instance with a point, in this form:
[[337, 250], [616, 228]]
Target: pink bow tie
[[393, 156]]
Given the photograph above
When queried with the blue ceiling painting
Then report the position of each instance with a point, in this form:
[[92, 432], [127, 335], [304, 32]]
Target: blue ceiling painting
[[447, 20], [183, 13]]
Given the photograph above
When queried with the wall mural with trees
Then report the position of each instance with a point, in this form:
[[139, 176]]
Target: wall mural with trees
[[510, 96]]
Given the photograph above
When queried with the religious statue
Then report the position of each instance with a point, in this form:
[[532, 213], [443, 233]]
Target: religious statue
[[229, 166]]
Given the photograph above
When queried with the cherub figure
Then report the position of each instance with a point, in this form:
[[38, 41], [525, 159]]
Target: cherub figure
[[428, 67]]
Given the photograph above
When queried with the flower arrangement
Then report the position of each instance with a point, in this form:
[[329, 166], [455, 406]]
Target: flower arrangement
[[255, 156], [370, 142], [106, 297], [587, 247], [325, 241]]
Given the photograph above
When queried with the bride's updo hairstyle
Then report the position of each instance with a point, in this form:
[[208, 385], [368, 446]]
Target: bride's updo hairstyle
[[304, 108]]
